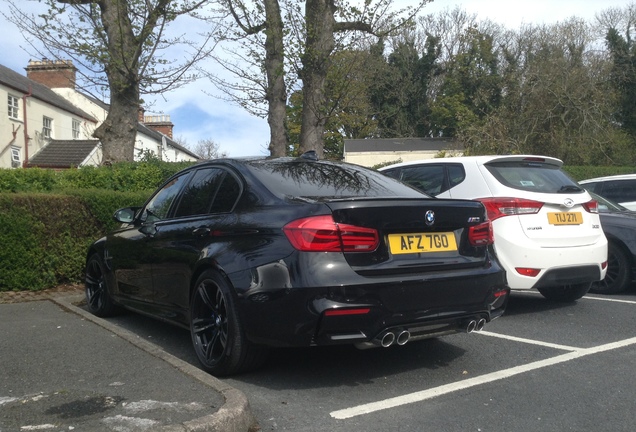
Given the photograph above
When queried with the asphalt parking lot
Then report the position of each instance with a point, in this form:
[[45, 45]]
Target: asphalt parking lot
[[543, 366]]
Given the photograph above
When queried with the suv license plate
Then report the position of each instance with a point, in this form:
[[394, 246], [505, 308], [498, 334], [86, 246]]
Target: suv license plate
[[565, 218], [422, 242]]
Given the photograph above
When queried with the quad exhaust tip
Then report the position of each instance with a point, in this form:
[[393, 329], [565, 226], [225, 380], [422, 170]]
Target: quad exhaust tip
[[474, 325], [400, 337]]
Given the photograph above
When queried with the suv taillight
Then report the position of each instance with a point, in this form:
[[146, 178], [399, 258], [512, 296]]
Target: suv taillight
[[481, 235], [591, 206], [500, 207], [322, 234]]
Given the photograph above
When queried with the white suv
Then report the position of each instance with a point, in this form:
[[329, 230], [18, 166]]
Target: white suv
[[548, 233]]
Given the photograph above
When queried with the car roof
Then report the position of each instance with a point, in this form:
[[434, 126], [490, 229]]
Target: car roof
[[612, 177], [481, 160]]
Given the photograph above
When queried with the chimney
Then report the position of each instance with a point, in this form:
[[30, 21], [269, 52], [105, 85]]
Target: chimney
[[160, 123], [52, 73]]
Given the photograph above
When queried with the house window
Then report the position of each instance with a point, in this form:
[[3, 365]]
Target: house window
[[76, 129], [13, 107], [47, 127], [15, 157]]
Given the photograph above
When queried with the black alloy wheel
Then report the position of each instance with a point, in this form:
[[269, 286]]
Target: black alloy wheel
[[565, 293], [217, 336], [98, 296], [617, 278]]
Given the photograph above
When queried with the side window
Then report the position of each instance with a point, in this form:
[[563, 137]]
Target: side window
[[427, 178], [456, 175], [159, 205], [395, 172], [620, 190], [198, 195], [227, 195]]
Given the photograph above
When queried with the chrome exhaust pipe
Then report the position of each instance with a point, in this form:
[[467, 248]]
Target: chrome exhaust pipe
[[403, 337], [480, 324], [387, 339], [470, 327]]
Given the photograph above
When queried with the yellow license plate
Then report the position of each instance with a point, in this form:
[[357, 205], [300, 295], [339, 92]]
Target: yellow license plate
[[422, 242], [565, 218]]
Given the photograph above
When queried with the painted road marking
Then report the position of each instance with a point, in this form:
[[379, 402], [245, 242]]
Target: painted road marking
[[528, 341], [472, 382]]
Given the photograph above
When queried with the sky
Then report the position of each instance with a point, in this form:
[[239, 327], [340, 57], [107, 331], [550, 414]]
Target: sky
[[197, 115]]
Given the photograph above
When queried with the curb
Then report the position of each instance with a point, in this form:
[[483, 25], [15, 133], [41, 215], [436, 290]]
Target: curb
[[234, 416]]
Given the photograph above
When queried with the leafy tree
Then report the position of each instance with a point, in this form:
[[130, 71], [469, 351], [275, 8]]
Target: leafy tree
[[118, 44], [623, 52], [399, 90], [471, 88]]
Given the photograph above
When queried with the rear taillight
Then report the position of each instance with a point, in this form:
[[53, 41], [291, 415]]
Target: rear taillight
[[499, 207], [322, 234], [481, 235], [591, 206]]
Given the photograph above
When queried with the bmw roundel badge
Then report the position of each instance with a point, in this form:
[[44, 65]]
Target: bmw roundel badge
[[429, 217]]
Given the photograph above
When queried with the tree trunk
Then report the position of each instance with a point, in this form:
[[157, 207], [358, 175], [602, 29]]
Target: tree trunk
[[319, 16], [276, 90], [118, 132]]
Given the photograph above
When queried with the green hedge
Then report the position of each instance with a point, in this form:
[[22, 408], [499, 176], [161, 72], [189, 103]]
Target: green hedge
[[587, 172], [44, 237], [124, 177], [49, 218]]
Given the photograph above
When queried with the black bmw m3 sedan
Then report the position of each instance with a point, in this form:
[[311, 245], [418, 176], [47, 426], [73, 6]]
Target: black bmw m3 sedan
[[255, 253]]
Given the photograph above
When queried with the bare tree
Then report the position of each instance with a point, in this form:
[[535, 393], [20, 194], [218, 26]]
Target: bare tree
[[121, 41], [208, 149]]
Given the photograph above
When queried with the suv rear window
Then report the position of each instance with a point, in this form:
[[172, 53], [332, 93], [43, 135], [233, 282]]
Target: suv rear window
[[533, 177]]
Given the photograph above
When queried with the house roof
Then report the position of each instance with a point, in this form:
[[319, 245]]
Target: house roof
[[39, 91], [63, 153], [400, 144], [158, 136]]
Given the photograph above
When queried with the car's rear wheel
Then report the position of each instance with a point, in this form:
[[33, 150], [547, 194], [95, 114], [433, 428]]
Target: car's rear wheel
[[217, 334], [98, 298], [566, 293], [618, 275]]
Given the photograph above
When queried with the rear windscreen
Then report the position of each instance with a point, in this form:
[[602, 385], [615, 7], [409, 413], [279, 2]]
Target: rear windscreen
[[533, 177], [323, 179]]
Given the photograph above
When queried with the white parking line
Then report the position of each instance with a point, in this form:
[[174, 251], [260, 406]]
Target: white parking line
[[610, 300], [528, 341], [483, 379]]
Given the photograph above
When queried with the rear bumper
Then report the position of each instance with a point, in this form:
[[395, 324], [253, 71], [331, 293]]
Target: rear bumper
[[568, 265], [424, 307]]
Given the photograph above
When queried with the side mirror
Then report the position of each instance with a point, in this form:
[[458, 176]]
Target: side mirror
[[125, 215]]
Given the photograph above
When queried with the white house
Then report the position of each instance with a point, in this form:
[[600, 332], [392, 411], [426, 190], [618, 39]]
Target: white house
[[375, 151], [49, 123]]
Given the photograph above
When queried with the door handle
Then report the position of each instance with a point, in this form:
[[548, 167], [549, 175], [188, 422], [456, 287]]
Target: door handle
[[201, 232]]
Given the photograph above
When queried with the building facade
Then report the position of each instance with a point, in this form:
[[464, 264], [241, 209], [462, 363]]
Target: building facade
[[48, 123]]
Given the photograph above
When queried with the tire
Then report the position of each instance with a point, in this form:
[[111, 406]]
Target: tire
[[566, 293], [619, 269], [98, 297], [217, 334]]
